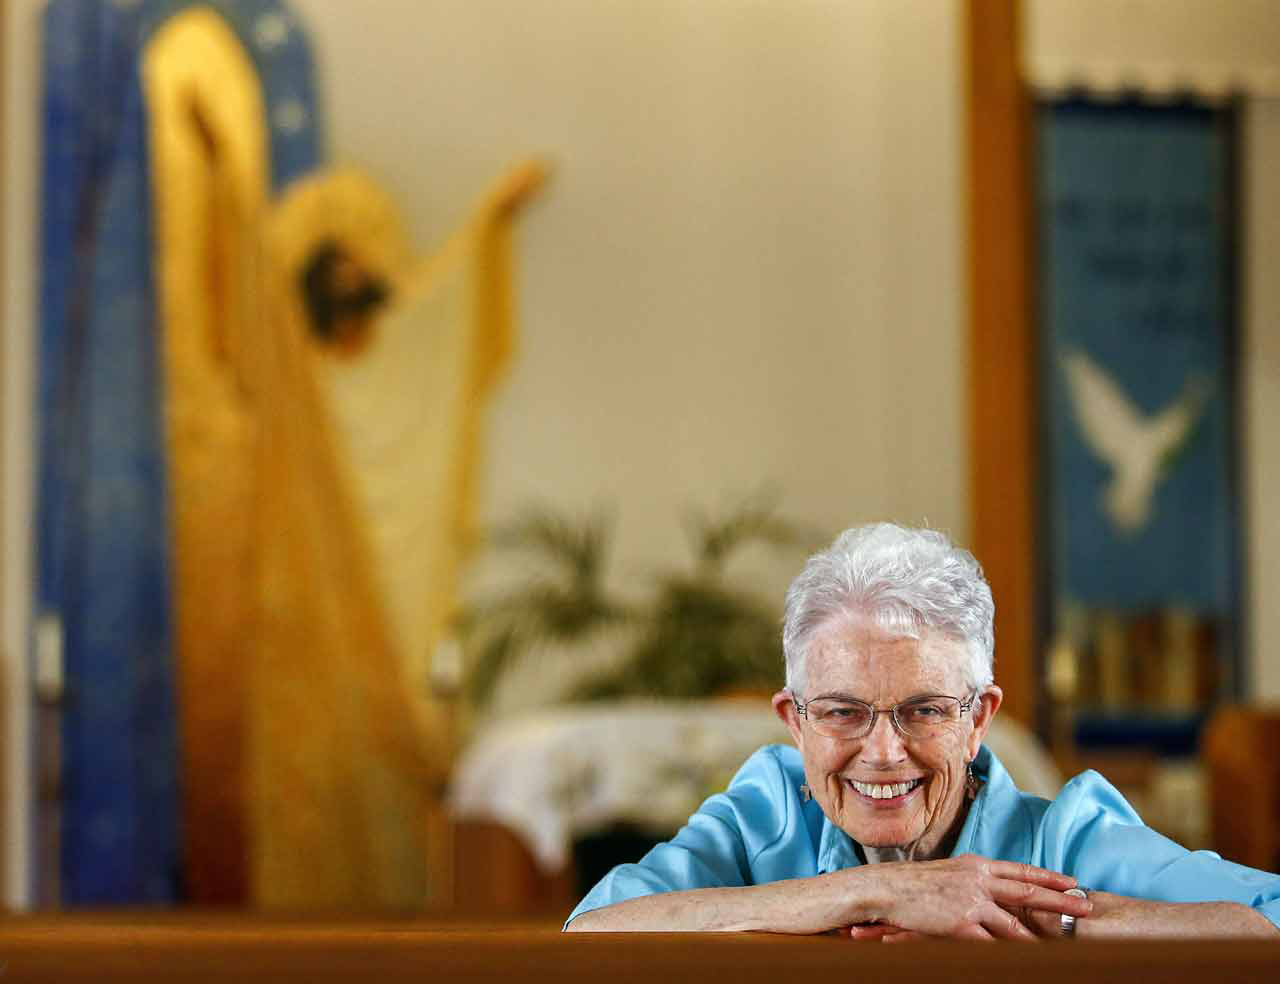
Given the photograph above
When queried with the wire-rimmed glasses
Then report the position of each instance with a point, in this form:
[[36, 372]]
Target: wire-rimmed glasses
[[923, 717]]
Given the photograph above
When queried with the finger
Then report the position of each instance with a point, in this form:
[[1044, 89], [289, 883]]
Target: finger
[[904, 936], [872, 931], [972, 931], [1046, 924], [1014, 894], [1016, 871], [1005, 925]]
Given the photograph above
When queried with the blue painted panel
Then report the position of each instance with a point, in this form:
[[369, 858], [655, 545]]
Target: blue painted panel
[[102, 533], [1134, 257]]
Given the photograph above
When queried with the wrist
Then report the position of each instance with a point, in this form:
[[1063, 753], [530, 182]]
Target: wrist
[[865, 894]]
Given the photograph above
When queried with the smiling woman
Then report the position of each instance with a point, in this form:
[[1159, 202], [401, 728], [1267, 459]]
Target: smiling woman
[[890, 819]]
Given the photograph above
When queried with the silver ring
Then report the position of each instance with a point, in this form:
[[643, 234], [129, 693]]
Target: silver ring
[[1067, 927]]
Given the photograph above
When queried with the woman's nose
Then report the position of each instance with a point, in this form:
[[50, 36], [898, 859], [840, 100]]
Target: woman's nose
[[884, 743]]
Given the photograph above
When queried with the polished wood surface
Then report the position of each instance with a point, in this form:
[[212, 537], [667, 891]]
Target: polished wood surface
[[1239, 751], [204, 948], [1002, 409], [494, 871]]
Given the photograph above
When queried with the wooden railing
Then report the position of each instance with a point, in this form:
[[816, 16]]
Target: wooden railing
[[216, 948]]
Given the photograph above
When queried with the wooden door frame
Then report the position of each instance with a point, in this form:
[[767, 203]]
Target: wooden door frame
[[1001, 345]]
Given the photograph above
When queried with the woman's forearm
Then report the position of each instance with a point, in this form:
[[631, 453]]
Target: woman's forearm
[[1116, 917], [797, 905], [968, 896]]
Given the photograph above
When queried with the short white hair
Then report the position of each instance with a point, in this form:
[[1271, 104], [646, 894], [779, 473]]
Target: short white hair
[[907, 581]]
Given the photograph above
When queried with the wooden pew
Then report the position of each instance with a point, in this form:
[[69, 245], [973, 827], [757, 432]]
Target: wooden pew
[[200, 948]]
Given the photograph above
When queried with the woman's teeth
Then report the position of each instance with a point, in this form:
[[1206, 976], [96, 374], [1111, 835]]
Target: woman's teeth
[[880, 790]]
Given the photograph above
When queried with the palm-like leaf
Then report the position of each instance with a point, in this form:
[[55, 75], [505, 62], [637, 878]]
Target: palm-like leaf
[[562, 605], [700, 638], [756, 520], [576, 548]]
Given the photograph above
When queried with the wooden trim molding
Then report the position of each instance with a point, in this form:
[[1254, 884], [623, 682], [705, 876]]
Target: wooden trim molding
[[1002, 414]]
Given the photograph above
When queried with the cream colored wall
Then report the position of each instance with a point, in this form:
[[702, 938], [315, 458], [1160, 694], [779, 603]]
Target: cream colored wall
[[17, 301], [1261, 380], [746, 269], [1155, 45]]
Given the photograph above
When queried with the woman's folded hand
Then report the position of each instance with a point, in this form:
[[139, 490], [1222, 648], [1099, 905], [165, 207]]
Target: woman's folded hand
[[968, 897]]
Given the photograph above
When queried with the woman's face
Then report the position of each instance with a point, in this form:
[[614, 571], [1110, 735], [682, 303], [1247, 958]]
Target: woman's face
[[852, 657]]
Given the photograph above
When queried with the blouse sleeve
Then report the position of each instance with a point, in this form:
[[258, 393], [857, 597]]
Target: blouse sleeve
[[1090, 831], [716, 847]]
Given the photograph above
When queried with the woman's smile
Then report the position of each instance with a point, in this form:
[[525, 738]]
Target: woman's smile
[[886, 795]]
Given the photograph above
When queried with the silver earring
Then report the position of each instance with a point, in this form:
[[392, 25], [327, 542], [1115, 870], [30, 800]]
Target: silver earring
[[806, 793], [970, 782]]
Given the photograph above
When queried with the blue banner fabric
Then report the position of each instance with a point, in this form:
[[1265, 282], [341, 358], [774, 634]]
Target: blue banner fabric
[[1136, 355]]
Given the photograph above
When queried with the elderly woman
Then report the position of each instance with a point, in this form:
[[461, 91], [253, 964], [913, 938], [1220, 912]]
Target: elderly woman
[[889, 819]]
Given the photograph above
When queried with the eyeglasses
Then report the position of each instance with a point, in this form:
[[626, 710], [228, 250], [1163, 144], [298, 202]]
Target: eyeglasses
[[920, 717]]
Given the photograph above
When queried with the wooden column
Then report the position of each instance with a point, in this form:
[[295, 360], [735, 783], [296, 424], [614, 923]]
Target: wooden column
[[1002, 412]]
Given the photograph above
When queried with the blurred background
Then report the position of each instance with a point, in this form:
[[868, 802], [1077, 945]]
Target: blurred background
[[415, 411]]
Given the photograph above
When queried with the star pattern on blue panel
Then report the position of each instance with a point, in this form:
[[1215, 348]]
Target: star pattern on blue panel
[[270, 31], [289, 116]]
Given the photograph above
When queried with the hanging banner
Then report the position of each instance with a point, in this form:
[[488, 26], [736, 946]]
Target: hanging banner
[[1136, 309]]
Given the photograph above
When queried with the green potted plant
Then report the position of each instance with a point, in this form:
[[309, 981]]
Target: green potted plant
[[699, 634]]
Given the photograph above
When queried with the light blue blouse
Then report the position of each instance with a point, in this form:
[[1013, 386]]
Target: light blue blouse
[[760, 830]]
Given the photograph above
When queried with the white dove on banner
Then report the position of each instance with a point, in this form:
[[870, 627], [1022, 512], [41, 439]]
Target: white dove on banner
[[1138, 448]]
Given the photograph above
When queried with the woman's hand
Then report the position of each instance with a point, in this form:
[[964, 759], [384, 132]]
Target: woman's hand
[[968, 897]]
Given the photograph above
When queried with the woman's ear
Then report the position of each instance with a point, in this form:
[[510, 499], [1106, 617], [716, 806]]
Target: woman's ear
[[784, 705], [984, 709]]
